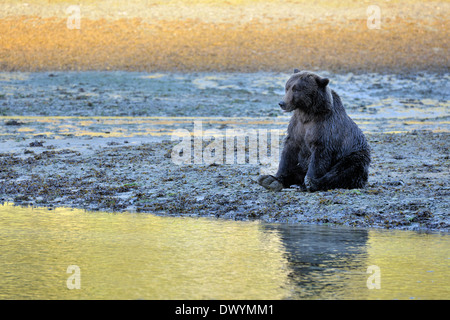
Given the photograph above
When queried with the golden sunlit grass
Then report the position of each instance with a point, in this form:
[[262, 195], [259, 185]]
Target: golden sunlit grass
[[36, 43]]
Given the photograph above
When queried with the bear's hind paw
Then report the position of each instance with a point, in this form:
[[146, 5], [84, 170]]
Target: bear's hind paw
[[270, 183]]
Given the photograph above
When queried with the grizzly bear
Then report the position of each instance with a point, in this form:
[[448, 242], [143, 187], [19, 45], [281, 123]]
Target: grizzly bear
[[324, 149]]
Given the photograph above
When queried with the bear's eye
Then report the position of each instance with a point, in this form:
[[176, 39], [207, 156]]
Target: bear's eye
[[295, 88]]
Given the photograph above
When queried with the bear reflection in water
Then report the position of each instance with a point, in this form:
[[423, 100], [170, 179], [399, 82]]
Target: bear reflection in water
[[324, 261]]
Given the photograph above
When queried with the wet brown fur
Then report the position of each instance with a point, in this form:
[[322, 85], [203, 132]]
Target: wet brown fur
[[324, 149]]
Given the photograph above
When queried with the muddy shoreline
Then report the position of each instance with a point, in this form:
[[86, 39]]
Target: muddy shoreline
[[408, 184], [102, 141]]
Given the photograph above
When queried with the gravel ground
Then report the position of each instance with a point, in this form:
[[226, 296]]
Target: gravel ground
[[408, 185], [88, 140]]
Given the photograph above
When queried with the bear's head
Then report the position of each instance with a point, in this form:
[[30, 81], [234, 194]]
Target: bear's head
[[307, 92]]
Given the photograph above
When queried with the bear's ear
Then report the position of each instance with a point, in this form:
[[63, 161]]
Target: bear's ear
[[322, 82], [296, 71]]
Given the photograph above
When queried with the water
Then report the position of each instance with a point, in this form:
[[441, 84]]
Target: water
[[142, 256], [127, 104]]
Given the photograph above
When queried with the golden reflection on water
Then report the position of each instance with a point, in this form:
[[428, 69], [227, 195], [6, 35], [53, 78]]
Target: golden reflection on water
[[124, 127], [142, 256], [413, 266], [133, 256], [165, 127]]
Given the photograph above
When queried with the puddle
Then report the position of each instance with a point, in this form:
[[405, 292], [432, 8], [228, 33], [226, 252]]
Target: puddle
[[143, 256]]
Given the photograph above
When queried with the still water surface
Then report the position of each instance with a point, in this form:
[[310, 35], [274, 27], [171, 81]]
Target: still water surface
[[142, 256]]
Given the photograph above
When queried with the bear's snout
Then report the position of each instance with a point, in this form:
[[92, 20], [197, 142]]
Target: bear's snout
[[282, 104]]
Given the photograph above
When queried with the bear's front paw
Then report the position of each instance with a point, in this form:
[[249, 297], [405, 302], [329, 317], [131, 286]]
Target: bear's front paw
[[309, 184], [270, 183]]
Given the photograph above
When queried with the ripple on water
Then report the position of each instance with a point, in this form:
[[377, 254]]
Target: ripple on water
[[133, 256]]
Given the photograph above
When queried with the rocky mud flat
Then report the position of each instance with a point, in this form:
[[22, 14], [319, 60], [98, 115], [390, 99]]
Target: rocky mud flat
[[102, 141], [408, 185]]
